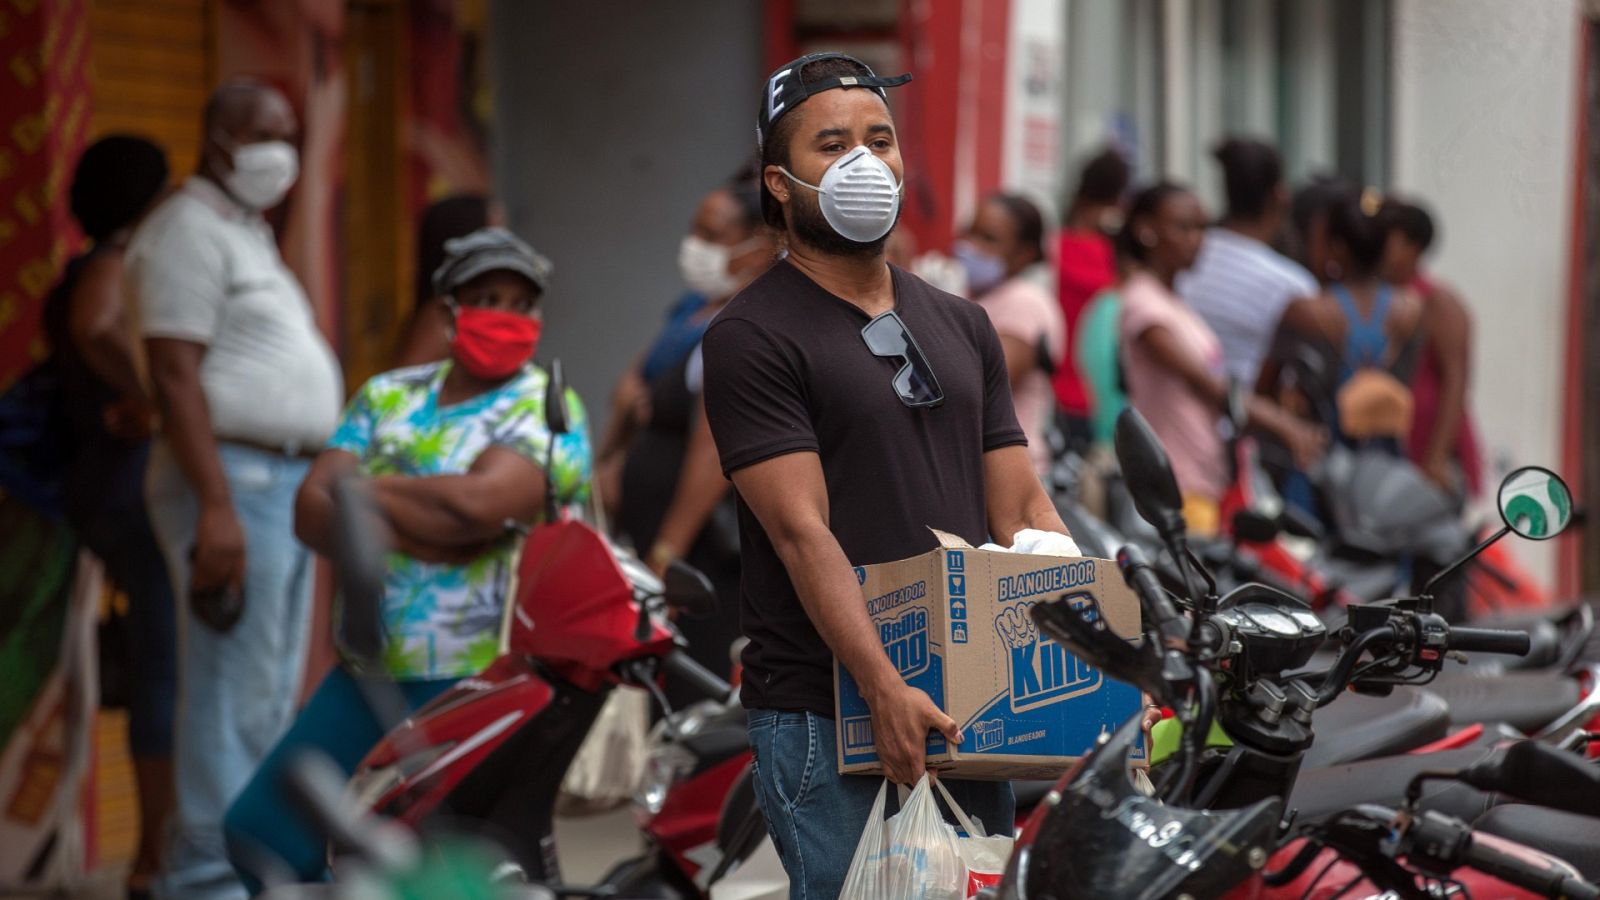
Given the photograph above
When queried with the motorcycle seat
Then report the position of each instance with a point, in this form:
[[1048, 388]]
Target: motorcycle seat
[[1527, 701], [1357, 726], [1565, 835], [1319, 793]]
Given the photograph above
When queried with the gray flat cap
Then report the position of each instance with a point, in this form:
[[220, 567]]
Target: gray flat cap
[[488, 250]]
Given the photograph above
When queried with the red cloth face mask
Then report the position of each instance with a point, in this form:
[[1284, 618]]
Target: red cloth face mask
[[492, 344]]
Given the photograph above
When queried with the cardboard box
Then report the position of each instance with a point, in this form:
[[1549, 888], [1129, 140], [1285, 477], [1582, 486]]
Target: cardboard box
[[955, 623]]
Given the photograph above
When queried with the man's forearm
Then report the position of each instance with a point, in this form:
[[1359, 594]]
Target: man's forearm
[[1016, 498], [831, 596], [186, 422], [1043, 516]]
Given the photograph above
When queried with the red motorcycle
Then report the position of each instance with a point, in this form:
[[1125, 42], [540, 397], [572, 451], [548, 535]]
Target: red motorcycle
[[488, 756]]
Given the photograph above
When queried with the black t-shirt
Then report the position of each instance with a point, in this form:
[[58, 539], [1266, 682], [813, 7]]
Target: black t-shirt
[[787, 371]]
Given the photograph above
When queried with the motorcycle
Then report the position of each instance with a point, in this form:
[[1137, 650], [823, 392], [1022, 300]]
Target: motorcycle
[[1549, 693], [1229, 670], [489, 754]]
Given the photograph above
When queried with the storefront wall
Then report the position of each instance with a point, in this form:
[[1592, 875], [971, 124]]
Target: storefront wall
[[1484, 128]]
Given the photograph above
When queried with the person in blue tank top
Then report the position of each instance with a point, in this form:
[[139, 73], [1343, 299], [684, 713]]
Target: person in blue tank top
[[1353, 348]]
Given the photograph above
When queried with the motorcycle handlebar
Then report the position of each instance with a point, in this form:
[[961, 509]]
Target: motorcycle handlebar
[[1548, 881], [1137, 573], [1490, 640], [679, 665]]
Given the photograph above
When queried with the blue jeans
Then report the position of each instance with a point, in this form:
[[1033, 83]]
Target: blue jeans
[[815, 815], [268, 839], [237, 692]]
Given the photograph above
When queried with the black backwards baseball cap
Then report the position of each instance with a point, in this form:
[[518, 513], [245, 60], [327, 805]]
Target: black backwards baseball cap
[[786, 89]]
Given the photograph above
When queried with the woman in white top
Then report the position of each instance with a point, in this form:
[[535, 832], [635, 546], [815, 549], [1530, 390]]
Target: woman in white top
[[1005, 241]]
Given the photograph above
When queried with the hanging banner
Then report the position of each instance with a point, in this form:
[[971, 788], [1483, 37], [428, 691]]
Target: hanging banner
[[44, 112]]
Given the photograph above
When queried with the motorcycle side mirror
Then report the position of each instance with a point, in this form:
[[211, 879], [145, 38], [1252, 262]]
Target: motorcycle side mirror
[[1148, 474], [555, 400], [686, 588], [359, 567], [1535, 503], [1253, 527], [555, 419], [1538, 774]]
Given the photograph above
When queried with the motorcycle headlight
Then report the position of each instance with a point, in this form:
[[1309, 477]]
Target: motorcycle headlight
[[666, 765]]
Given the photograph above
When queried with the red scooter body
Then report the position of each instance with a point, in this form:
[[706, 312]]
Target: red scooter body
[[422, 759], [1275, 557], [575, 609], [493, 748], [1329, 877], [686, 827]]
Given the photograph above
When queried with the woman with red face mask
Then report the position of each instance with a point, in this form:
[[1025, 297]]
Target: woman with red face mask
[[453, 451]]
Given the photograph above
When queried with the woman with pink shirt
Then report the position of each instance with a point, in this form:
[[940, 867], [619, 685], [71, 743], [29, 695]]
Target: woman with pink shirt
[[1172, 361], [1006, 242]]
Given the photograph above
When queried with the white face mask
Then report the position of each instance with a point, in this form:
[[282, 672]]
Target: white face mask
[[262, 173], [858, 195], [704, 265]]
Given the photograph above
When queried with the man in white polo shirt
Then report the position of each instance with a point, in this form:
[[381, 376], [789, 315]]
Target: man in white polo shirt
[[249, 391]]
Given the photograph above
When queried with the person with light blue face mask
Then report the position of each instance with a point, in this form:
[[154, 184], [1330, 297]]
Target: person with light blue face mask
[[999, 255]]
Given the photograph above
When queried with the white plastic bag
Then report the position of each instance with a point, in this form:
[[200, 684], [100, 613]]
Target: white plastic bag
[[606, 772], [984, 855], [913, 856]]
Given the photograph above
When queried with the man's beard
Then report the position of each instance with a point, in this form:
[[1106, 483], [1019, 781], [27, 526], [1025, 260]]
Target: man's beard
[[811, 228]]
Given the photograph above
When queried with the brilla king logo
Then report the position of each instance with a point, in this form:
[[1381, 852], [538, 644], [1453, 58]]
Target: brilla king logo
[[1041, 670], [905, 639]]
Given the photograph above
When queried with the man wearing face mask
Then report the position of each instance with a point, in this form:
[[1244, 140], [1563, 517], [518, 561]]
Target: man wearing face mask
[[853, 406], [248, 392], [452, 451], [673, 502]]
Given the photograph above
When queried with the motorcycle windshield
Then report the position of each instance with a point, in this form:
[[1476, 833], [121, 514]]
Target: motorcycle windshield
[[1104, 839]]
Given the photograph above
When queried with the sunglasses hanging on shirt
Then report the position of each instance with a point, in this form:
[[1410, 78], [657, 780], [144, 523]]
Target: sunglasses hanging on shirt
[[887, 336]]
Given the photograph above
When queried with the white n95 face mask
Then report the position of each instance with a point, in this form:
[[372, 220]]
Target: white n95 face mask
[[858, 195], [263, 173]]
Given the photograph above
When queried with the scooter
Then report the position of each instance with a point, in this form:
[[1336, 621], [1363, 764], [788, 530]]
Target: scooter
[[489, 754], [373, 857], [586, 618], [1228, 665]]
